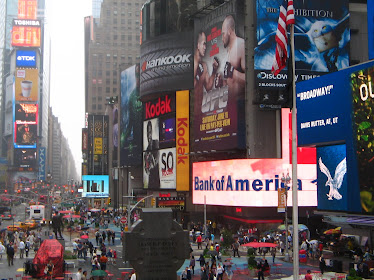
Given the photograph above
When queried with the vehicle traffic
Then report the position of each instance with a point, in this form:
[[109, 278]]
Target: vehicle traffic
[[37, 212]]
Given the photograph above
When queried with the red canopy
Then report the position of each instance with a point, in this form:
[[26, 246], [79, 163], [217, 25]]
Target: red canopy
[[50, 249], [260, 244]]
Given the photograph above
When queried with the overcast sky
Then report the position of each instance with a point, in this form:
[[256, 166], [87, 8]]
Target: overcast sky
[[65, 19]]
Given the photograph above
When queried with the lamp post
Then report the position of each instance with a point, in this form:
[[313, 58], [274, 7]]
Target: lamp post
[[286, 180]]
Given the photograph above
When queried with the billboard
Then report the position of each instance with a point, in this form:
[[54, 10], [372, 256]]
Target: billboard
[[370, 15], [25, 58], [219, 79], [42, 162], [167, 131], [333, 192], [23, 177], [26, 33], [151, 155], [25, 135], [27, 85], [27, 9], [95, 186], [9, 103], [322, 39], [26, 113], [159, 107], [168, 168], [255, 182], [183, 140], [131, 118], [25, 158], [166, 63], [173, 202]]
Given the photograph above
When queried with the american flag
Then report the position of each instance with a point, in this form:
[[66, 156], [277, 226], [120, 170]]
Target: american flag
[[286, 17]]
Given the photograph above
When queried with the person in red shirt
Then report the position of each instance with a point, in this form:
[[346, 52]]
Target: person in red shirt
[[199, 240], [320, 248], [308, 276]]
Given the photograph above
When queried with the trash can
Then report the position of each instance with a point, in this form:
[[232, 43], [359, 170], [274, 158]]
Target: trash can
[[302, 256]]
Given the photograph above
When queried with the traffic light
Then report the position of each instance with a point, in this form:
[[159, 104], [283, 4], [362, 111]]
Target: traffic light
[[153, 201], [6, 191], [109, 200]]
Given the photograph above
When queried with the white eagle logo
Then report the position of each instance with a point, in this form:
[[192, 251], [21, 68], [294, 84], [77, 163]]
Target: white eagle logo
[[336, 182]]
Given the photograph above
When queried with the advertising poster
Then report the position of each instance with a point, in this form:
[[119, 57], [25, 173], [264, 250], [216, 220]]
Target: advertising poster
[[131, 118], [151, 155], [27, 85], [167, 131], [95, 186], [26, 33], [322, 39], [9, 103], [362, 84], [25, 158], [332, 177], [25, 58], [25, 135], [219, 78], [370, 15], [166, 63], [26, 113], [168, 168], [255, 182], [27, 9], [183, 140]]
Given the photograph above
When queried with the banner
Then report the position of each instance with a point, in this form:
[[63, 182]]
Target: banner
[[98, 146], [166, 63], [42, 159], [322, 37], [183, 140], [27, 85], [281, 200], [168, 168], [219, 79], [131, 118]]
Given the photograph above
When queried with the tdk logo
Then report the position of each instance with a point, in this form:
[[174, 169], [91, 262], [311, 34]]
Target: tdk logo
[[26, 58]]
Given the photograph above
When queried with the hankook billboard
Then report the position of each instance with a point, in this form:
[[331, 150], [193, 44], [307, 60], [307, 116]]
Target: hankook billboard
[[219, 79], [322, 37], [166, 63]]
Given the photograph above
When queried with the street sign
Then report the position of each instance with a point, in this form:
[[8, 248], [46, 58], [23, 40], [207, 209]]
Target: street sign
[[124, 220]]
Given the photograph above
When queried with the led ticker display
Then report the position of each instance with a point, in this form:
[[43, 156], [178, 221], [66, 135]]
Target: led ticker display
[[26, 33]]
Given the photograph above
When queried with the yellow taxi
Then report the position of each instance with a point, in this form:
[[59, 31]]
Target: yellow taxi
[[32, 224], [22, 226]]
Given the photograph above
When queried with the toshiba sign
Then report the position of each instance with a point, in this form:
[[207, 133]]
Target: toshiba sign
[[159, 107]]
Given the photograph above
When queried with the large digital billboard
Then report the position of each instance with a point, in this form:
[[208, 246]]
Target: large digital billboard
[[27, 9], [322, 39], [26, 33], [26, 113], [131, 118], [370, 16], [151, 154], [255, 182], [25, 58], [166, 63], [95, 186], [25, 158], [27, 84], [219, 79]]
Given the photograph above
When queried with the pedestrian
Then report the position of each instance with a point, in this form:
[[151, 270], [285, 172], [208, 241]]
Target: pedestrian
[[27, 248], [273, 253], [202, 260], [261, 269], [84, 275], [97, 235], [322, 264], [235, 248], [80, 250], [192, 264], [10, 253], [184, 274], [199, 241], [113, 237], [204, 273], [229, 272], [21, 247], [75, 248], [220, 272], [49, 269], [104, 236], [133, 275], [2, 250], [103, 261], [78, 276], [114, 257], [308, 275]]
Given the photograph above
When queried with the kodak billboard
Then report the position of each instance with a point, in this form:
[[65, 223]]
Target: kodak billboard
[[182, 140]]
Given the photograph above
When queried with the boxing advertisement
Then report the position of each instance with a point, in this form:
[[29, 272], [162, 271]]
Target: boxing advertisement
[[322, 37], [166, 63], [219, 78]]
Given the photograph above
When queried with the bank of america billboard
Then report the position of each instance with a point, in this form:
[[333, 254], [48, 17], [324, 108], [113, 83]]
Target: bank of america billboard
[[166, 63], [336, 109], [322, 39], [219, 79]]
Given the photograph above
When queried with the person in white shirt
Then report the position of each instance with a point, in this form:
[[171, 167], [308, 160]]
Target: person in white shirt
[[2, 250], [78, 276], [133, 275], [21, 247]]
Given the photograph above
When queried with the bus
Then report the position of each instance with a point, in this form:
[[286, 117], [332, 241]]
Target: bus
[[37, 212]]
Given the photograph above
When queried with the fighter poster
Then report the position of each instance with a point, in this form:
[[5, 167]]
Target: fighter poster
[[219, 78], [131, 118], [322, 37], [151, 154]]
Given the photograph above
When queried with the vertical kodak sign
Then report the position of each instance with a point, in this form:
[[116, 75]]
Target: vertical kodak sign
[[183, 140]]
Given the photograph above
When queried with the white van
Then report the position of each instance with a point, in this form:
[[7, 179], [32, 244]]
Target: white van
[[37, 212]]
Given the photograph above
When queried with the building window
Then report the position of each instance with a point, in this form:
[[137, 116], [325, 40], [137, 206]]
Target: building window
[[99, 98], [107, 90], [93, 99], [107, 82], [115, 37], [122, 37], [129, 37], [93, 106], [99, 90], [99, 107]]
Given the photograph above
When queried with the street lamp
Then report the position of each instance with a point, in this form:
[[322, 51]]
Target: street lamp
[[286, 180]]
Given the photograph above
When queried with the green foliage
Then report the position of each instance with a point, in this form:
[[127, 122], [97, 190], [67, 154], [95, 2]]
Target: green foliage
[[250, 252], [68, 255], [252, 264], [205, 253], [227, 239], [353, 275]]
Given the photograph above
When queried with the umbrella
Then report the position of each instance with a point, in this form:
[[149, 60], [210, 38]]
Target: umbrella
[[85, 228], [95, 210], [99, 273], [85, 236], [260, 244], [65, 212], [212, 252], [227, 263], [290, 227], [333, 231]]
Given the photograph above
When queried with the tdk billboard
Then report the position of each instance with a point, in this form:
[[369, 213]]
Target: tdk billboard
[[334, 114], [25, 58]]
